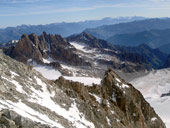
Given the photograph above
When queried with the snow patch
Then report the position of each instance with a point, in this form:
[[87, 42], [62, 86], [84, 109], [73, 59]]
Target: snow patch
[[78, 117], [113, 97], [122, 86], [118, 80], [13, 74], [81, 47], [98, 99], [46, 61], [108, 121], [117, 120], [47, 72], [49, 60], [112, 112], [125, 86], [16, 84], [153, 119]]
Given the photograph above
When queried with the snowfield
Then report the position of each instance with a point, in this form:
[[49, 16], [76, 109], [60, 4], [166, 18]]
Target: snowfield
[[81, 47], [85, 80], [47, 72], [152, 86], [52, 74]]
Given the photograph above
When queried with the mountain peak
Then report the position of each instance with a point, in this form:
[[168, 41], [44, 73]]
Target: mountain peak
[[24, 36], [89, 40], [86, 36], [111, 81]]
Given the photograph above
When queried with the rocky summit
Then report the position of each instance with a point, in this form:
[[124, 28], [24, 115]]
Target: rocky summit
[[90, 40], [28, 100], [44, 46]]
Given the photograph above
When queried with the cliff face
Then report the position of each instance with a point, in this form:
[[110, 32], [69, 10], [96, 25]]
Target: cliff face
[[28, 98], [44, 46]]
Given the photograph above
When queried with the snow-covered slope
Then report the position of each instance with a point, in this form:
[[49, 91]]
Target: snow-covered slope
[[152, 86], [26, 92]]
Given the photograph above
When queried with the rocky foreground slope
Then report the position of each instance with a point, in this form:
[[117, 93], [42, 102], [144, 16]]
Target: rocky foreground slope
[[28, 100]]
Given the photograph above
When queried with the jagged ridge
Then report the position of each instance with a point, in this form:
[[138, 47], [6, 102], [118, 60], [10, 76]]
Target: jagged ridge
[[44, 46]]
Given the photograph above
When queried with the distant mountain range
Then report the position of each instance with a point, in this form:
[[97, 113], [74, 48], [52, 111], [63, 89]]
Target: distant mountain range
[[153, 32], [64, 29], [154, 56], [153, 38], [165, 48], [107, 31]]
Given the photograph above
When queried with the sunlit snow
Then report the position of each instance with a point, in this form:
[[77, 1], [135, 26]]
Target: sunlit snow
[[81, 47], [52, 74], [48, 72], [98, 99], [152, 86], [73, 114]]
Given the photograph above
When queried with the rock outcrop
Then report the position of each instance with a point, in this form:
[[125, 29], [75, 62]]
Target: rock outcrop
[[114, 103], [26, 98], [44, 46]]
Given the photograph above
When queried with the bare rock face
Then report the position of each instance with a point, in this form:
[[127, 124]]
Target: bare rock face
[[114, 103], [44, 46], [131, 102]]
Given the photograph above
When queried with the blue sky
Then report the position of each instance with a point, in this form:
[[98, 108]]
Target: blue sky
[[33, 12]]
